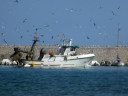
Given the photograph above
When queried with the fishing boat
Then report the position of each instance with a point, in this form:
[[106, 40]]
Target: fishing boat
[[65, 57]]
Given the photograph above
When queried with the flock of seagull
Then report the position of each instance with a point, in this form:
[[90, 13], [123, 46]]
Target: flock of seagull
[[47, 25]]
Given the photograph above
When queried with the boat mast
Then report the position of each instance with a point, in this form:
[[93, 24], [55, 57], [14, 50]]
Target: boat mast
[[33, 45], [118, 39], [118, 35], [63, 39]]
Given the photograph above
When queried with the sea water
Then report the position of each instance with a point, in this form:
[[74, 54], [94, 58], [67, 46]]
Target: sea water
[[92, 81]]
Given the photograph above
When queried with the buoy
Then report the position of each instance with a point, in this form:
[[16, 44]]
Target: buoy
[[53, 54], [29, 58], [33, 64], [65, 58]]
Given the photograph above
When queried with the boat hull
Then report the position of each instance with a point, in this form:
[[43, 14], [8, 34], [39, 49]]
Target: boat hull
[[61, 62]]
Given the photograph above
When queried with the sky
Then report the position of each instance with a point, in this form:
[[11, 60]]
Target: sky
[[86, 22]]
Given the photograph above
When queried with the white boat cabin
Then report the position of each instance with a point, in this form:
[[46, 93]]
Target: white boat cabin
[[67, 50]]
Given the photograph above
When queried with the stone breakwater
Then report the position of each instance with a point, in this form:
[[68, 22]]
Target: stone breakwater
[[101, 53]]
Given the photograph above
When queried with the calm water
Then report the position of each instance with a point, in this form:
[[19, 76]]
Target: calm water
[[94, 81]]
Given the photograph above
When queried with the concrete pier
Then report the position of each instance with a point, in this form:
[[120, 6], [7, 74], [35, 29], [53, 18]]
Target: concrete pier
[[101, 53]]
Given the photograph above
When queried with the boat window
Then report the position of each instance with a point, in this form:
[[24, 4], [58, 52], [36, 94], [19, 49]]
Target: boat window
[[60, 51], [72, 49]]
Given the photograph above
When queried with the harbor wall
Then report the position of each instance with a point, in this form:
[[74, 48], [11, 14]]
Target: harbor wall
[[101, 53]]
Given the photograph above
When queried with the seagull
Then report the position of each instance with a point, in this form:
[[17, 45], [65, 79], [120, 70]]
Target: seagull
[[24, 20], [21, 37], [92, 21], [16, 1], [52, 37], [41, 35], [88, 37], [99, 33], [2, 34], [118, 7], [94, 24], [36, 29], [46, 25], [113, 13], [5, 41]]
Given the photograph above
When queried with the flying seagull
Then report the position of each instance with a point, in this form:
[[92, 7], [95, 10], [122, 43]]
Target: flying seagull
[[21, 37], [46, 25], [94, 24], [5, 41], [16, 1], [2, 34], [88, 37], [52, 37], [113, 13], [118, 7], [41, 35], [36, 29], [92, 21], [24, 20]]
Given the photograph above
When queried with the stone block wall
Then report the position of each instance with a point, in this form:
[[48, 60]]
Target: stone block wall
[[101, 53]]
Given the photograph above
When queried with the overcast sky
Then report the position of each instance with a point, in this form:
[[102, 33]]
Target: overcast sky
[[86, 22]]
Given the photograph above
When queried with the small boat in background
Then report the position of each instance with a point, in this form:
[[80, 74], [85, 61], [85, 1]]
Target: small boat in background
[[105, 63], [6, 62], [95, 63], [118, 62]]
